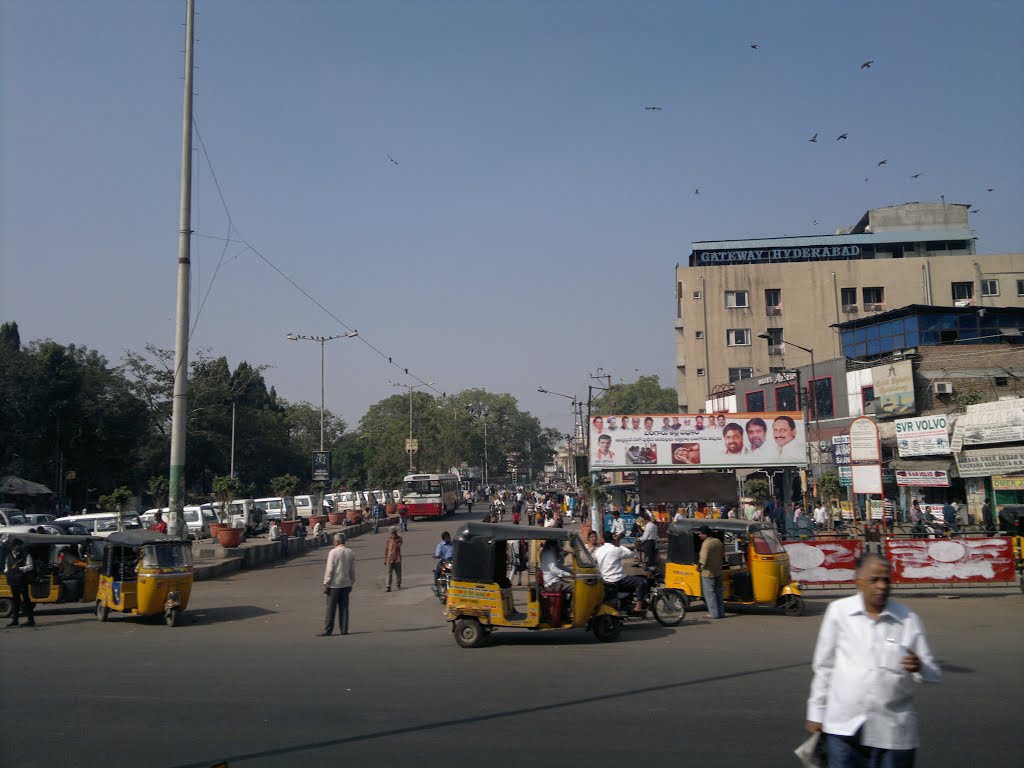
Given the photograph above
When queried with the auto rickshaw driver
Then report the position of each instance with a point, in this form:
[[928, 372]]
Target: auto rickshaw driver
[[609, 557]]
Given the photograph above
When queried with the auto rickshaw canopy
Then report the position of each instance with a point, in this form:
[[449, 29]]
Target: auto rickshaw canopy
[[490, 532], [479, 550], [140, 537], [682, 542]]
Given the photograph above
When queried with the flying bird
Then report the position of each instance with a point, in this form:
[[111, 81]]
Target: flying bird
[[990, 189], [391, 159], [841, 136], [814, 139], [976, 210], [867, 64], [653, 109], [882, 162], [865, 179], [755, 46], [696, 191], [814, 222], [916, 175]]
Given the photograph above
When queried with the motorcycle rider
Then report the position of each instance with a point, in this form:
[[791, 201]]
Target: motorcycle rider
[[443, 551], [609, 557]]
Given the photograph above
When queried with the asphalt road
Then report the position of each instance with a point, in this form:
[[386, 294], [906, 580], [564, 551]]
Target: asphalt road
[[245, 680]]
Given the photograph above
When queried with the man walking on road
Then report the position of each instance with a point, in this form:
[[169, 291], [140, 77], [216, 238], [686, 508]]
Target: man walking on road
[[403, 516], [712, 555], [393, 557], [339, 578], [18, 568], [869, 650], [378, 514]]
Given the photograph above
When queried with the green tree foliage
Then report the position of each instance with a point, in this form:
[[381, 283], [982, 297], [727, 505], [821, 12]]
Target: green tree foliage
[[829, 487], [225, 490], [284, 485], [758, 489], [645, 395], [157, 487]]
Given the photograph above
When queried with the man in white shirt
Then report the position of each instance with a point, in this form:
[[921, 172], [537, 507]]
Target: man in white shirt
[[618, 525], [648, 542], [784, 434], [609, 557], [820, 515], [868, 653], [556, 578], [339, 578]]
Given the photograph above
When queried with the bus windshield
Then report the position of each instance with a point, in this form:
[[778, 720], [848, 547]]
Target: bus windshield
[[422, 487]]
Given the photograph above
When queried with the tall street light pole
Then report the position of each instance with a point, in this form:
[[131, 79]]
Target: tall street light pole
[[322, 340], [571, 441], [483, 412], [411, 388]]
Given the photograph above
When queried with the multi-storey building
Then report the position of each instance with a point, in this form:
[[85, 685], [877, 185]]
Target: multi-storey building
[[732, 294]]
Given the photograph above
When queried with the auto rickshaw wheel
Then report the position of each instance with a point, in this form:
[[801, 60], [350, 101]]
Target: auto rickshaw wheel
[[469, 633], [102, 611], [793, 605], [6, 607], [171, 617], [607, 628], [669, 608]]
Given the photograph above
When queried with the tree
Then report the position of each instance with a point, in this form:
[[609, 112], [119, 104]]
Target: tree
[[284, 485], [758, 489], [645, 395], [225, 490], [116, 500], [829, 487]]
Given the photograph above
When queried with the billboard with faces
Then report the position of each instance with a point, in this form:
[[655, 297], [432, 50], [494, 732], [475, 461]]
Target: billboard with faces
[[704, 440]]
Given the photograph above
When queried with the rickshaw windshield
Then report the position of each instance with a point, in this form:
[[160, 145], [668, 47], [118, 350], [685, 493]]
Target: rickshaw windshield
[[166, 556], [766, 542], [583, 557]]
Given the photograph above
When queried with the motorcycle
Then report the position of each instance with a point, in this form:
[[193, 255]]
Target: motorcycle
[[444, 579], [666, 605]]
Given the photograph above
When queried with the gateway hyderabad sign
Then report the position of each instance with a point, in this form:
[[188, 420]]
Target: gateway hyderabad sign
[[776, 254]]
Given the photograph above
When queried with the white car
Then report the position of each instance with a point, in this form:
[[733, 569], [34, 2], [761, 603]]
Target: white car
[[103, 523], [277, 508]]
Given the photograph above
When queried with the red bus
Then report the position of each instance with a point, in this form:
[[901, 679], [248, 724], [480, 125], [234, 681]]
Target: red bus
[[432, 495]]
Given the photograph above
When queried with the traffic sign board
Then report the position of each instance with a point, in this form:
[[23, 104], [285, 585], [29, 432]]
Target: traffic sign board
[[412, 445]]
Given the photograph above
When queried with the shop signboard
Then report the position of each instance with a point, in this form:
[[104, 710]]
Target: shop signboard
[[894, 388], [1005, 425], [845, 476], [922, 478], [864, 440], [923, 436], [875, 507], [841, 449], [705, 440], [1003, 483], [985, 462]]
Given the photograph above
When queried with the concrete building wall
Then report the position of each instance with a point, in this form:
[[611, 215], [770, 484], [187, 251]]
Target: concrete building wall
[[811, 303]]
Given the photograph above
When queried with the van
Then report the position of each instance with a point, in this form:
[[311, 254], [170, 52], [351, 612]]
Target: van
[[277, 507], [243, 513], [11, 516], [103, 523], [306, 505], [380, 497]]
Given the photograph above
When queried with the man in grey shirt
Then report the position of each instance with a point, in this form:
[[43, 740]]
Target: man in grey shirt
[[339, 578]]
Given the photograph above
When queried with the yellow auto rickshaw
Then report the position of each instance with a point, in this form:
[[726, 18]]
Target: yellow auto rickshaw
[[481, 597], [65, 568], [145, 573], [756, 564]]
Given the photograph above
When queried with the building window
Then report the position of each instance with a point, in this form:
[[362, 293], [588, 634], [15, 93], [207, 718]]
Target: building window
[[775, 342], [1020, 287], [773, 301], [735, 374], [1002, 381], [849, 299], [989, 287], [737, 300], [873, 296], [700, 371], [737, 337], [820, 395], [785, 398], [963, 291], [755, 401], [699, 334], [867, 394], [696, 295]]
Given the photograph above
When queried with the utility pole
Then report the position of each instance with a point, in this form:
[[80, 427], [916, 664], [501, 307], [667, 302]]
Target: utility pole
[[411, 388], [231, 472], [179, 405], [322, 340]]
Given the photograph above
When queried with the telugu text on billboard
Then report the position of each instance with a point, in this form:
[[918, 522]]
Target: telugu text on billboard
[[894, 388], [923, 436], [706, 440]]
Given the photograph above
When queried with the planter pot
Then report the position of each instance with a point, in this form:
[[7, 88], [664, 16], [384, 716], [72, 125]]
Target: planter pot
[[215, 528], [230, 537], [336, 518], [288, 527], [317, 519], [390, 509], [353, 515]]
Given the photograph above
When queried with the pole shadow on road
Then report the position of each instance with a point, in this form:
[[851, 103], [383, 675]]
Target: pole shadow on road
[[615, 697], [225, 614]]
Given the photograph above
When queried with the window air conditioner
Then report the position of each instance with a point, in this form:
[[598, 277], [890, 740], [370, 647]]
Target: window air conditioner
[[874, 307], [773, 311], [849, 308], [943, 387]]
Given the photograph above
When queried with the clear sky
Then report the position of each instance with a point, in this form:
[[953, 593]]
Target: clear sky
[[528, 233]]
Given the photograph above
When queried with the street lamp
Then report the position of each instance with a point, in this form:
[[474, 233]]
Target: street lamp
[[322, 340], [577, 413], [410, 387], [483, 412], [814, 391]]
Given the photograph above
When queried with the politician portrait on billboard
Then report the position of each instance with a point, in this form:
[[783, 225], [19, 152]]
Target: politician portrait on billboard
[[710, 441]]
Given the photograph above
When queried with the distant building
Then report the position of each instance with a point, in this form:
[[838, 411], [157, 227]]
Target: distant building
[[796, 289]]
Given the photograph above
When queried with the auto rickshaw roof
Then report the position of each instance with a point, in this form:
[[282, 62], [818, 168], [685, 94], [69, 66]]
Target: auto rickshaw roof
[[505, 532], [691, 524], [35, 539], [140, 538]]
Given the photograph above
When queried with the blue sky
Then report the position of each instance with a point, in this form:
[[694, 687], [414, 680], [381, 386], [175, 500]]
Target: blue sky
[[529, 232]]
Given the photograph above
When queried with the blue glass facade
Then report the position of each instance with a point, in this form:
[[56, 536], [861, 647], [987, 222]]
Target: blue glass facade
[[927, 330]]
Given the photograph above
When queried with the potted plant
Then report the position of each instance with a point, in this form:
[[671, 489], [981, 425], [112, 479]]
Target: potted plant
[[317, 489], [224, 490], [284, 486], [116, 501]]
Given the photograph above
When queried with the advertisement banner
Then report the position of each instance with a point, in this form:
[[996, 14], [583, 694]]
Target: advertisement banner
[[824, 561], [922, 478], [845, 476], [894, 388], [1005, 425], [985, 462], [923, 436], [864, 444], [950, 560], [705, 441]]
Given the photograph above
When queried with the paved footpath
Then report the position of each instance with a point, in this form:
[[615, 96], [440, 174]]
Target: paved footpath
[[245, 679]]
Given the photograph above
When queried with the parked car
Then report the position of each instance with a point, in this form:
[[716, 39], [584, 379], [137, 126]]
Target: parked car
[[11, 516], [35, 518], [198, 518], [103, 523], [305, 505], [246, 514], [277, 507]]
